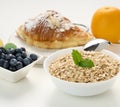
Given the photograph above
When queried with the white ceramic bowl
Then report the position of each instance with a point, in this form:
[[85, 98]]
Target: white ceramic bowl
[[79, 89], [17, 75]]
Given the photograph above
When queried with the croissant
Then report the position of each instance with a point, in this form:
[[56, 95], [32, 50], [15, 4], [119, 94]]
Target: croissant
[[53, 31]]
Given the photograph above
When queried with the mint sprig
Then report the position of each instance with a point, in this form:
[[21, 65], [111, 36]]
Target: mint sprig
[[78, 60], [77, 57], [10, 45]]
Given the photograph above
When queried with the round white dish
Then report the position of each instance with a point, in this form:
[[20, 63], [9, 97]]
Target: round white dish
[[80, 89]]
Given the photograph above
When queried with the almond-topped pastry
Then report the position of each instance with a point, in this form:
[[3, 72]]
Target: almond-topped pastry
[[52, 30]]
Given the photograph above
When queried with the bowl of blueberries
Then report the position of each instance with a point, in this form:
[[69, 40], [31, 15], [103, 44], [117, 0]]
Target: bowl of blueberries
[[15, 62]]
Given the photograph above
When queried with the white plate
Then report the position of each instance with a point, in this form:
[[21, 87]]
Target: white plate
[[20, 43], [39, 51], [46, 52]]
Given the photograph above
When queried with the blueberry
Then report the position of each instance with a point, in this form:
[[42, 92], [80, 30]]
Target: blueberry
[[9, 56], [0, 51], [18, 54], [33, 57], [3, 50], [13, 62], [23, 49], [2, 62], [19, 58], [12, 56], [18, 50], [7, 51], [12, 68], [11, 51], [6, 64], [3, 55], [30, 59], [24, 55], [26, 61], [19, 65]]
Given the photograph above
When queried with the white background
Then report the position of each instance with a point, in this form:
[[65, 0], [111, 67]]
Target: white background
[[37, 90]]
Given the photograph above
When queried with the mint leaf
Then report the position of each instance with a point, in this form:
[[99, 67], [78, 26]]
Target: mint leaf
[[86, 63], [10, 45], [78, 60], [77, 57]]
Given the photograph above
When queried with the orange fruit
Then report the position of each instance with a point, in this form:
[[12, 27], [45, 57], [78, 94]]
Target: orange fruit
[[106, 24], [1, 43]]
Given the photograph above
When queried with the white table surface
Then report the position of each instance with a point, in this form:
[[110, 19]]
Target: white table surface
[[37, 90]]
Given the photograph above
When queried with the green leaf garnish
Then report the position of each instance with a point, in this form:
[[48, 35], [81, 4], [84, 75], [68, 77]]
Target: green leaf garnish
[[78, 60], [77, 57], [10, 45], [86, 63]]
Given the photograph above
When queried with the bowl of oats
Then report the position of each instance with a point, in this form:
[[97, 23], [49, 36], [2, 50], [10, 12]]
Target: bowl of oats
[[83, 73]]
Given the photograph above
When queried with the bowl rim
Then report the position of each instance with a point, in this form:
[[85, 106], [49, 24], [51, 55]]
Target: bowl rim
[[46, 66]]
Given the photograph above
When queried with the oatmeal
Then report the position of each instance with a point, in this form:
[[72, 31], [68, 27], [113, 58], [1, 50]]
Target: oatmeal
[[104, 68]]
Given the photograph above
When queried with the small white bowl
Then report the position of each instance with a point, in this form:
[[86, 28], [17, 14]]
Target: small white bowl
[[80, 89], [17, 75]]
